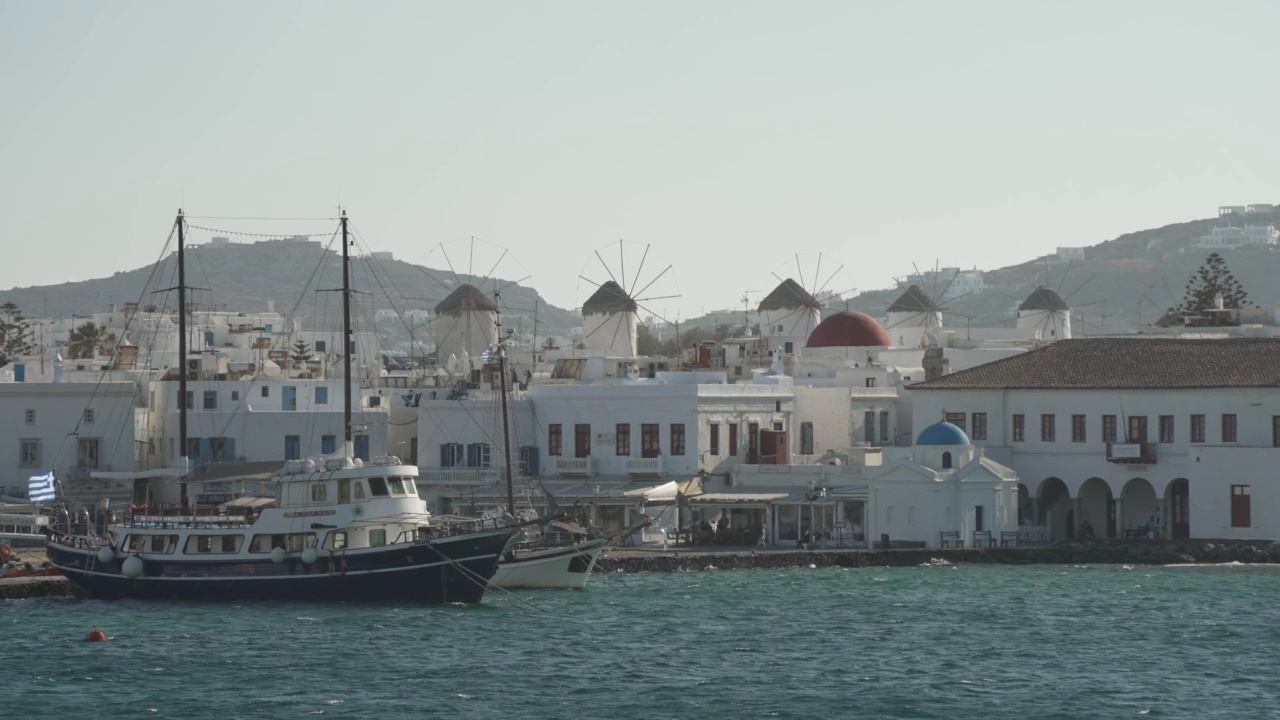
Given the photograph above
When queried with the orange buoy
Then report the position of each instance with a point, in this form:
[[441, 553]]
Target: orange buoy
[[96, 635]]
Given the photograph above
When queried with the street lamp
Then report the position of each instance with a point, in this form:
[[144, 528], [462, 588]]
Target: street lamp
[[810, 495], [814, 493]]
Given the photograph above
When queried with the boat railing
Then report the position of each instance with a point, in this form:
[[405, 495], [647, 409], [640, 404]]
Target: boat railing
[[452, 525], [177, 516]]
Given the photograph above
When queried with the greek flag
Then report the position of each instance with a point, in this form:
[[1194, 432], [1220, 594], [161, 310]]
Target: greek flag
[[489, 355], [40, 488]]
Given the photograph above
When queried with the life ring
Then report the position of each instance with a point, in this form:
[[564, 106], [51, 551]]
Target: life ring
[[6, 551]]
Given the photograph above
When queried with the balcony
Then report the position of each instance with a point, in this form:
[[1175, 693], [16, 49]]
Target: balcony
[[646, 466], [460, 476], [573, 466], [1131, 453]]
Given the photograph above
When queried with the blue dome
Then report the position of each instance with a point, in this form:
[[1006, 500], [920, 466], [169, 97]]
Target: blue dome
[[943, 433]]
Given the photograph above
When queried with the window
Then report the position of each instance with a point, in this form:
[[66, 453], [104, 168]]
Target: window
[[328, 444], [649, 447], [377, 537], [978, 524], [677, 438], [88, 416], [266, 391], [1046, 428], [338, 540], [806, 438], [31, 416], [210, 399], [218, 449], [582, 440], [715, 439], [292, 447], [956, 419], [191, 400], [320, 346], [1137, 429], [479, 455], [320, 492], [451, 455], [294, 542], [29, 453], [1197, 428], [1108, 428], [87, 453], [1077, 428], [1019, 428], [946, 460], [622, 440], [1228, 427], [235, 396], [979, 427], [871, 382], [1240, 510], [1166, 428], [1275, 431], [555, 440], [322, 396], [378, 487], [733, 439]]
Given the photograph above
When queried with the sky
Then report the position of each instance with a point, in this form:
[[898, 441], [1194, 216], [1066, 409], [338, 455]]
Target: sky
[[732, 140]]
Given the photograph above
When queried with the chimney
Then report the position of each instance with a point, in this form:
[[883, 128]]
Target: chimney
[[1217, 301]]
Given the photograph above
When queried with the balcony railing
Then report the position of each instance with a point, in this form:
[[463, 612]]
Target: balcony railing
[[1131, 453], [460, 476], [573, 466], [645, 466]]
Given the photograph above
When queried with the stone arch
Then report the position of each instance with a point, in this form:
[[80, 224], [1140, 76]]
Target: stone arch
[[1097, 507], [1140, 505], [1055, 510]]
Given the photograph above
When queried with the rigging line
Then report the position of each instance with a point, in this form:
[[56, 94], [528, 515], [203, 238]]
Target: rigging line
[[253, 234], [228, 217], [482, 582]]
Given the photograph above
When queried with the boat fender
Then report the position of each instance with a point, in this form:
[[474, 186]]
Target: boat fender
[[106, 554], [132, 566], [6, 551], [310, 555], [96, 635], [277, 554]]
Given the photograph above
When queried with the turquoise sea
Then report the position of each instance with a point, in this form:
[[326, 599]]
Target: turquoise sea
[[926, 642]]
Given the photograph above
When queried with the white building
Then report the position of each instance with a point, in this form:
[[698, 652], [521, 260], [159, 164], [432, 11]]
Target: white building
[[1120, 432], [1233, 237]]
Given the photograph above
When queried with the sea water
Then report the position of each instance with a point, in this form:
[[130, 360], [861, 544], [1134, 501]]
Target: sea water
[[928, 642]]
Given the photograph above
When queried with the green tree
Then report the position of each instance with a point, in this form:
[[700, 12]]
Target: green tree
[[15, 334], [301, 353], [85, 339], [1210, 280]]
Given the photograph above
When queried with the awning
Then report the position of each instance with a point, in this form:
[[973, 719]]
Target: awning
[[248, 502], [737, 498], [251, 471], [159, 473]]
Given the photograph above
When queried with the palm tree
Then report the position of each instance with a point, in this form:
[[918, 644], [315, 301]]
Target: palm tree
[[85, 340]]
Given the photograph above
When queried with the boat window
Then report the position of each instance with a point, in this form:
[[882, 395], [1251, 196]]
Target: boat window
[[397, 485], [152, 543], [409, 487], [207, 544], [378, 487], [344, 491], [293, 542], [357, 490], [338, 540], [377, 537], [320, 492]]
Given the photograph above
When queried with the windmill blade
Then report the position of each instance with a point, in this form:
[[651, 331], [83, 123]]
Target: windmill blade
[[450, 264], [1081, 287], [828, 282], [495, 267], [816, 270], [1065, 273], [606, 267], [655, 279], [639, 270], [946, 287], [656, 297]]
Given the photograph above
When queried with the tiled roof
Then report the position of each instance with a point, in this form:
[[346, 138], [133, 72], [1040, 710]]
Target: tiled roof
[[1126, 364], [608, 299], [1044, 299], [466, 297], [914, 300], [789, 295]]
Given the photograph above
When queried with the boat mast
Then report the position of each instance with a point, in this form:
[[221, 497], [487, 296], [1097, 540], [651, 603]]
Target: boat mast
[[346, 335], [182, 351], [506, 424]]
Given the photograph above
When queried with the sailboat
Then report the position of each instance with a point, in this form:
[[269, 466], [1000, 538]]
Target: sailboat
[[338, 529], [540, 564]]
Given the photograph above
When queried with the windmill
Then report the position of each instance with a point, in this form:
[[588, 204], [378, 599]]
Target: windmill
[[465, 321], [1045, 309], [610, 315], [793, 309], [920, 311]]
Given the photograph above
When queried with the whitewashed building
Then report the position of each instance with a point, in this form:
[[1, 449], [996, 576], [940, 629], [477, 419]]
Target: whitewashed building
[[1123, 433]]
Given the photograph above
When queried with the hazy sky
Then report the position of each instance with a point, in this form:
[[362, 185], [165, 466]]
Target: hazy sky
[[727, 135]]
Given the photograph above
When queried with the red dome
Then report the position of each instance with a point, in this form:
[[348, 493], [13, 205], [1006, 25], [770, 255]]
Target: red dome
[[848, 329]]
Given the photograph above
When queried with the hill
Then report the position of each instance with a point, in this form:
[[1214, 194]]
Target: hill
[[245, 276]]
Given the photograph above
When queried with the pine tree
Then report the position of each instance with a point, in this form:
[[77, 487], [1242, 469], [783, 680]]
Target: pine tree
[[15, 334], [1211, 279], [301, 353]]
